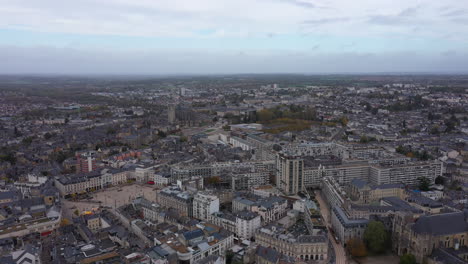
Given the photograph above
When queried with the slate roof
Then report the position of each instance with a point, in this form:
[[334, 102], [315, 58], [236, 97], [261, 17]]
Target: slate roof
[[359, 183], [189, 235], [441, 224]]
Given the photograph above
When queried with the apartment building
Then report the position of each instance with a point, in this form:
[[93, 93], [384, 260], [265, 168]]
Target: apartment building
[[302, 247], [174, 197], [204, 205], [290, 173], [80, 182], [243, 224]]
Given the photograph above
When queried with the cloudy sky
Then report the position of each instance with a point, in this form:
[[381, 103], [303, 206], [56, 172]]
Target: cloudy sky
[[238, 36]]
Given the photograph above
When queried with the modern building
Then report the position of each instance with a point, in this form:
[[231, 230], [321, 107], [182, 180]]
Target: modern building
[[290, 173], [86, 162]]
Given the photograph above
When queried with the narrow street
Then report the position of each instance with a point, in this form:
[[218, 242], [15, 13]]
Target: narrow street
[[340, 254]]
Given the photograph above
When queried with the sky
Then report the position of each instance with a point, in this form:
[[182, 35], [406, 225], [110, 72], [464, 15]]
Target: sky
[[238, 36]]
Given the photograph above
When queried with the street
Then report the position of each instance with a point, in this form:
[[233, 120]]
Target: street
[[340, 254]]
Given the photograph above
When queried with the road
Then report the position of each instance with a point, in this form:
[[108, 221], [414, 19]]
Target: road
[[340, 253]]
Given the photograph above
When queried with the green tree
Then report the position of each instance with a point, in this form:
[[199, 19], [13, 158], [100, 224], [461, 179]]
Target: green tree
[[439, 180], [424, 184], [408, 259], [375, 237]]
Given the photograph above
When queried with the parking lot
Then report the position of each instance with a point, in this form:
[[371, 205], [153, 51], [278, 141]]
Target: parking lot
[[111, 197]]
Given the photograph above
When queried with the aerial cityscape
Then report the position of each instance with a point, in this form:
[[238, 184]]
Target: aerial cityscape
[[229, 132]]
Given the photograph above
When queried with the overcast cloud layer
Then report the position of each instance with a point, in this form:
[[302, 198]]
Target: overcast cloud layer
[[220, 36]]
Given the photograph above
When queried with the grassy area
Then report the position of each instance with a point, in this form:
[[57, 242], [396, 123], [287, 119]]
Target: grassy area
[[279, 125]]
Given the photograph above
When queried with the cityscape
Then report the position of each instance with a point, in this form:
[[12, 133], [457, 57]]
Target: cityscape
[[234, 169], [230, 132]]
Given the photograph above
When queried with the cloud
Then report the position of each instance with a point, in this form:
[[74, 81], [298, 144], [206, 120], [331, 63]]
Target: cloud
[[49, 60], [403, 17], [323, 21], [301, 3]]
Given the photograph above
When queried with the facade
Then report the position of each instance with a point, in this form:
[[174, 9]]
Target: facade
[[79, 183], [174, 197], [346, 228], [243, 224], [247, 223], [290, 173], [302, 247], [162, 179], [421, 236], [332, 192], [40, 224], [204, 205], [144, 173], [362, 192], [86, 162], [269, 208], [237, 142]]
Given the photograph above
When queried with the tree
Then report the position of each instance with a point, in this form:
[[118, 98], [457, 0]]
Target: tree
[[356, 247], [27, 141], [17, 132], [434, 130], [364, 139], [408, 259], [265, 115], [439, 180], [213, 180], [77, 212], [376, 237], [161, 134], [65, 222], [424, 184]]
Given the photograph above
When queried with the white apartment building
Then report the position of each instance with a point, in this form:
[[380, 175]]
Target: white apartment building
[[205, 205], [144, 173], [247, 223], [162, 179], [237, 142], [243, 224]]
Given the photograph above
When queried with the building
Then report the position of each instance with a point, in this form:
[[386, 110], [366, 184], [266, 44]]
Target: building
[[243, 224], [237, 142], [270, 208], [144, 173], [290, 173], [422, 236], [163, 179], [247, 223], [303, 246], [86, 162], [174, 197], [362, 192], [171, 114], [204, 205], [79, 183], [346, 228]]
